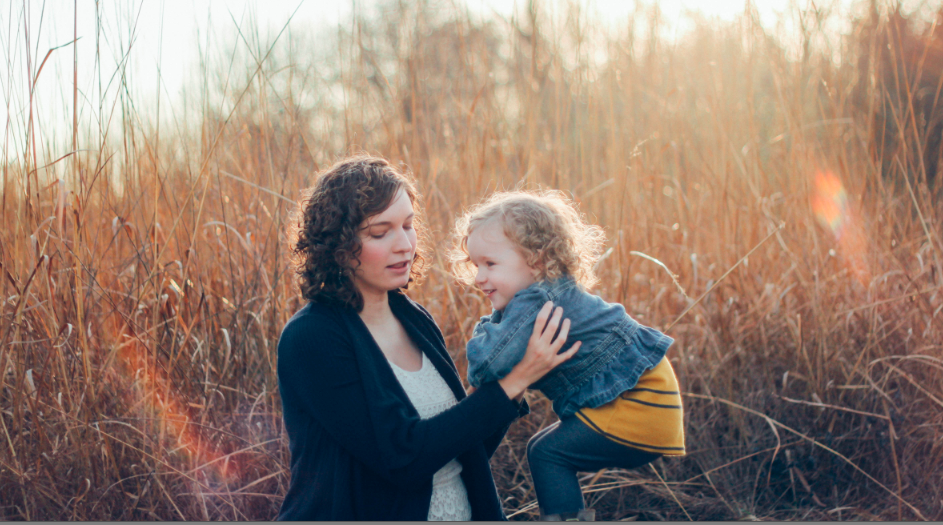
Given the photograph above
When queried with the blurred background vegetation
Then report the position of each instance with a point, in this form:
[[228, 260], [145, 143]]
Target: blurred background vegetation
[[793, 186]]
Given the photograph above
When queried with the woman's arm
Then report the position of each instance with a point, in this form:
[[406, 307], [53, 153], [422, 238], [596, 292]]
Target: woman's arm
[[491, 442], [319, 375]]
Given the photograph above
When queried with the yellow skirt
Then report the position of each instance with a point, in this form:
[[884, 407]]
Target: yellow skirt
[[648, 417]]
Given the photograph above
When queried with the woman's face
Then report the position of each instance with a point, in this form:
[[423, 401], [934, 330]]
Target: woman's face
[[389, 244]]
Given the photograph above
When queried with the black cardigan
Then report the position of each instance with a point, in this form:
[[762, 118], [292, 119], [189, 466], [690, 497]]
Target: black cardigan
[[359, 450]]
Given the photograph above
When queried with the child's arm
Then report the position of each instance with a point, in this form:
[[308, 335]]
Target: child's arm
[[495, 348]]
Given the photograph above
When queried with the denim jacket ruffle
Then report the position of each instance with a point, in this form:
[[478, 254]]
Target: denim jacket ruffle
[[616, 349]]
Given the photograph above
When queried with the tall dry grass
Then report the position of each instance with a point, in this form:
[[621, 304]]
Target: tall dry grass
[[143, 294]]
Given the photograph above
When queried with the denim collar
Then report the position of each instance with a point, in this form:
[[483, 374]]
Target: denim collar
[[556, 287]]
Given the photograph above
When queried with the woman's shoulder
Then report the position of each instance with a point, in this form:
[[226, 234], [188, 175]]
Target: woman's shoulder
[[313, 321], [314, 313], [402, 303], [405, 307]]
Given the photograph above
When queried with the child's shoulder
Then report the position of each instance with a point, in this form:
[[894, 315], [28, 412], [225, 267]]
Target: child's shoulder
[[564, 292], [592, 304], [530, 298], [537, 290]]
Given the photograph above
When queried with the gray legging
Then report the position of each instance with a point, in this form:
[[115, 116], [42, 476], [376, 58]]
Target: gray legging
[[559, 451]]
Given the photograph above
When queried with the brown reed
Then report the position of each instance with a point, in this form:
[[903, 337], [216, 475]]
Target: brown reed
[[138, 327]]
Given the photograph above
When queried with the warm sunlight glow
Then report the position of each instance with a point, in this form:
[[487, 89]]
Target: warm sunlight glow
[[156, 395], [833, 210]]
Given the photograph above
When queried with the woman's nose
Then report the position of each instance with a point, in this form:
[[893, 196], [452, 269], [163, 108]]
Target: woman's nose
[[403, 243]]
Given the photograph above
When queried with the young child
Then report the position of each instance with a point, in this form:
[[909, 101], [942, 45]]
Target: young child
[[617, 398]]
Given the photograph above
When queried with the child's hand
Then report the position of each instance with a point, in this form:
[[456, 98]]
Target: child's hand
[[471, 390]]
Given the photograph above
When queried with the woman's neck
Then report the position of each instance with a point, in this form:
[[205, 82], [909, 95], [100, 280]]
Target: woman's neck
[[376, 308]]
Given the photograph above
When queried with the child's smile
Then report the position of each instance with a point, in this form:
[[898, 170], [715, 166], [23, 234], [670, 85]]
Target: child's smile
[[502, 270]]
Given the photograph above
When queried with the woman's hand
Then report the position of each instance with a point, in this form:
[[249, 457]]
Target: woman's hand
[[541, 356]]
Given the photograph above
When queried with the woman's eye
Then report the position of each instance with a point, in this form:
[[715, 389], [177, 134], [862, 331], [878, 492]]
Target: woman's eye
[[378, 236], [407, 226]]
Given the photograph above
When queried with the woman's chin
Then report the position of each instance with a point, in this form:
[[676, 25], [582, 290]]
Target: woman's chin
[[400, 282], [382, 286]]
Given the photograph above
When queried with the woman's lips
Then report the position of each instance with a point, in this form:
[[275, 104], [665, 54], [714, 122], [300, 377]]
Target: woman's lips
[[399, 266]]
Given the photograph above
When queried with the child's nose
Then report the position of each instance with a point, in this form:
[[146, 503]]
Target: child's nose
[[479, 276]]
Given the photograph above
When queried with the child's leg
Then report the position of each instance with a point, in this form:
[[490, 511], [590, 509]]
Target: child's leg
[[559, 451]]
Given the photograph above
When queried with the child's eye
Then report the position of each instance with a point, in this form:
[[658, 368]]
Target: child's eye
[[489, 264], [407, 226]]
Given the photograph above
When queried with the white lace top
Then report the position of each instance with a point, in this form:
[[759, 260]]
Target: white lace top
[[430, 394]]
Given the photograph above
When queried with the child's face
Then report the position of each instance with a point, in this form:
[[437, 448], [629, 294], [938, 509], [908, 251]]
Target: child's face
[[502, 270]]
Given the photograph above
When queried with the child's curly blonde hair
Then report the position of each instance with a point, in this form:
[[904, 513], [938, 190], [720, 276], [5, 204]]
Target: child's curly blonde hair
[[548, 228]]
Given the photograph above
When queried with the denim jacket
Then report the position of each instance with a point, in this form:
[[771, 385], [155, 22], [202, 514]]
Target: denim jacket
[[616, 349]]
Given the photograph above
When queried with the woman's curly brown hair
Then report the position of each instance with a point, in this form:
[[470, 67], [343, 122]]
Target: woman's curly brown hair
[[324, 239], [552, 234]]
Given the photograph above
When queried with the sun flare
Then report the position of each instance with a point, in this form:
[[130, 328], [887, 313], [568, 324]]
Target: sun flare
[[832, 208]]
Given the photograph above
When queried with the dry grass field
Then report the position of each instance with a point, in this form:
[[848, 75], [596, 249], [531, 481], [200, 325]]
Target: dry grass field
[[794, 191]]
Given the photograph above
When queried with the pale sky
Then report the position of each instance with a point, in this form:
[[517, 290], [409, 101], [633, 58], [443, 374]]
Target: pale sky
[[167, 33]]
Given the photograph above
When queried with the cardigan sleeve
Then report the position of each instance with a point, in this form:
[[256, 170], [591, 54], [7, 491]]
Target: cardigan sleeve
[[319, 373], [494, 440]]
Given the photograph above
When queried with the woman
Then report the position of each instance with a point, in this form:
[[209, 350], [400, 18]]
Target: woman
[[378, 423]]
